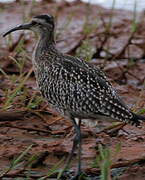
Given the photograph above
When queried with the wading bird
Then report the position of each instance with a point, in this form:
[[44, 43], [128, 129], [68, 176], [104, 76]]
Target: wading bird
[[73, 87]]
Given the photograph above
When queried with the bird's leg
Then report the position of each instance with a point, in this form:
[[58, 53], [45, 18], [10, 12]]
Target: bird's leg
[[79, 138], [76, 141]]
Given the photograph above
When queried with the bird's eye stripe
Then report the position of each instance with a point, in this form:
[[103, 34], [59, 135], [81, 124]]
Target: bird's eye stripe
[[34, 22]]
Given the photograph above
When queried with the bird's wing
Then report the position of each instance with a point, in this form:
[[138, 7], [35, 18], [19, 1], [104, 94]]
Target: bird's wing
[[97, 73], [89, 86], [92, 68]]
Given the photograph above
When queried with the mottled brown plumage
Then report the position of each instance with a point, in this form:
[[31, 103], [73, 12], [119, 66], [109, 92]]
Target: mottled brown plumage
[[73, 87]]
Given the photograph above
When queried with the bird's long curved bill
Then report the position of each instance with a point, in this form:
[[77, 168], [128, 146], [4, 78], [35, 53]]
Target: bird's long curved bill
[[19, 27]]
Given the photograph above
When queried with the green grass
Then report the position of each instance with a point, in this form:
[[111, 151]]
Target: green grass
[[24, 161], [134, 21], [17, 162], [86, 50], [105, 159], [17, 91], [11, 94]]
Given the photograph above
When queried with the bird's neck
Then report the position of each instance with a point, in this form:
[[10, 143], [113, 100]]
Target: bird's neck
[[46, 41], [44, 46]]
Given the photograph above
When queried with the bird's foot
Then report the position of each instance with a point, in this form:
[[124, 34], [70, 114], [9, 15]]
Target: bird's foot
[[79, 176], [65, 175]]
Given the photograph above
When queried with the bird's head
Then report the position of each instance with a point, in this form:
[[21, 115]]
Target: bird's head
[[40, 24]]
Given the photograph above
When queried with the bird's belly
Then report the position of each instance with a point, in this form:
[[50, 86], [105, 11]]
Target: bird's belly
[[51, 95], [69, 100]]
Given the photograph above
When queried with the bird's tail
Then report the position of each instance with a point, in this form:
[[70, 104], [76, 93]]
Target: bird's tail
[[137, 120]]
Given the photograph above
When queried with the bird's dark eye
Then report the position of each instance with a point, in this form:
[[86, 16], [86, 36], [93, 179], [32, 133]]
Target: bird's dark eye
[[34, 23]]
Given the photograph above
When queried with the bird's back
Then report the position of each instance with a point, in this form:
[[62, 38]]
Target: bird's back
[[73, 86]]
